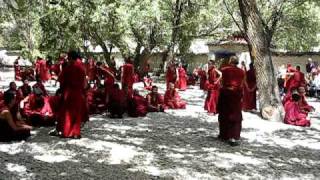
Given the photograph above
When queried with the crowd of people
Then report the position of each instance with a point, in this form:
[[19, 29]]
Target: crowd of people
[[91, 87]]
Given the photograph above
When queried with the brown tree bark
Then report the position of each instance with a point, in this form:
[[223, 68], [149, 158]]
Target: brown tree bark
[[259, 39]]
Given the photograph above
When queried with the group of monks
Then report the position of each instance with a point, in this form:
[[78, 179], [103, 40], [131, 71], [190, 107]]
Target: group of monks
[[91, 87]]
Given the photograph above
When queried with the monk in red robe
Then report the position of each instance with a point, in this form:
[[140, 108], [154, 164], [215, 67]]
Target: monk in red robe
[[203, 78], [213, 87], [181, 81], [147, 82], [229, 103], [171, 74], [127, 77], [36, 108], [18, 97], [91, 69], [25, 89], [155, 101], [17, 70], [249, 101], [294, 115], [73, 108], [42, 70], [303, 104], [40, 85], [117, 102], [109, 80], [137, 105], [289, 79], [172, 99], [11, 128]]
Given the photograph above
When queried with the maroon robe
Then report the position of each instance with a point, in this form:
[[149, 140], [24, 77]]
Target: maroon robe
[[117, 102], [229, 103], [155, 102], [171, 75], [41, 86], [17, 71], [172, 100], [294, 115], [73, 108], [213, 91], [181, 84], [249, 101], [91, 69], [25, 90], [137, 106], [127, 78], [203, 78], [147, 83], [42, 70]]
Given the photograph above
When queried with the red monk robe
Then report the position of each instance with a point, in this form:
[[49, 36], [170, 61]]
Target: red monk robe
[[155, 101], [96, 100], [147, 83], [73, 110], [229, 104], [181, 82], [172, 99], [10, 128], [17, 70], [91, 69], [171, 74], [36, 108], [249, 101], [40, 85], [117, 102], [213, 87], [298, 79], [288, 83], [25, 89], [293, 113], [203, 78], [42, 70], [109, 80], [127, 77], [137, 105], [304, 106]]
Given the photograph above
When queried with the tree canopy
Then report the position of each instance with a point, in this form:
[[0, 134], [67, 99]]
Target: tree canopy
[[137, 27]]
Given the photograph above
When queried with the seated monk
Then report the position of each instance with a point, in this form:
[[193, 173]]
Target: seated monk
[[96, 100], [172, 99], [293, 113], [155, 101], [10, 128], [147, 83], [36, 108], [25, 89], [137, 105], [117, 102], [40, 85], [304, 106]]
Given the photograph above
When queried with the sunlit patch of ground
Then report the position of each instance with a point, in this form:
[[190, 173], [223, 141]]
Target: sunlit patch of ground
[[179, 144]]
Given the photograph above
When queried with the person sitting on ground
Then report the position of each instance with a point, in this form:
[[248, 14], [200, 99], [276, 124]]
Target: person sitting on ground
[[40, 85], [25, 89], [36, 108], [155, 101], [172, 99], [117, 102], [137, 105], [304, 106], [10, 128], [293, 113]]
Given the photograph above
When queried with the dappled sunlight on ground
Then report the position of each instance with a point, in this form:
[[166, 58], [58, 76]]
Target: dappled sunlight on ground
[[179, 144]]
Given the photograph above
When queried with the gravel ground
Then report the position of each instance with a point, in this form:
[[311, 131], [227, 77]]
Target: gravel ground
[[178, 144]]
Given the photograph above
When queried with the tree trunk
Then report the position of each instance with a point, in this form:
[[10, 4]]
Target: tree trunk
[[269, 97]]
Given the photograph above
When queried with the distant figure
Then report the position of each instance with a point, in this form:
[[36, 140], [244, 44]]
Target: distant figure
[[213, 87], [117, 102], [155, 101], [181, 81], [91, 70], [42, 70], [310, 65], [172, 99], [17, 70], [249, 101], [25, 89], [171, 74], [40, 85], [127, 77], [229, 103], [137, 105]]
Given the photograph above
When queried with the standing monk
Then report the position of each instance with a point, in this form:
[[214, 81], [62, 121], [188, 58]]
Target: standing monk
[[250, 90], [127, 77], [229, 104], [91, 69], [17, 70], [171, 75], [73, 109], [42, 70], [213, 86], [181, 81]]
